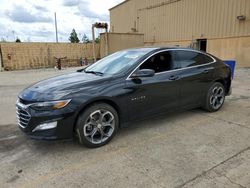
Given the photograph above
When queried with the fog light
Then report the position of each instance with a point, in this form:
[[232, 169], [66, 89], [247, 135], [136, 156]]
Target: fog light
[[45, 126]]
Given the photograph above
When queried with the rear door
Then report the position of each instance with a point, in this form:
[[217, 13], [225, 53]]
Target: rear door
[[196, 74]]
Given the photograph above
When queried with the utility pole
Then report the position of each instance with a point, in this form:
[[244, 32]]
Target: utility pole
[[13, 32], [56, 28], [1, 60], [93, 42]]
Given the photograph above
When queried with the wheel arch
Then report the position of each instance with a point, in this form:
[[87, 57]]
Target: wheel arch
[[226, 82], [99, 100]]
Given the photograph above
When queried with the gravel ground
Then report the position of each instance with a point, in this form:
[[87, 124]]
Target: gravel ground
[[188, 149]]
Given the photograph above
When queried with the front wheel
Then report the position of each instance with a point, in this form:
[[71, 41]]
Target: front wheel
[[97, 125], [215, 97]]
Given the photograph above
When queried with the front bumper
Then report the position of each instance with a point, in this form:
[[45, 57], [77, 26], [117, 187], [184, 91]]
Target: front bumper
[[28, 120]]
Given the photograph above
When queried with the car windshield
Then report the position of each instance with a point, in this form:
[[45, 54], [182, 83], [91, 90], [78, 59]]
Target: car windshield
[[117, 62]]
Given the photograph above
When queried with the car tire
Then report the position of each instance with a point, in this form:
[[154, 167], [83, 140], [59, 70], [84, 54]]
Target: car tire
[[215, 97], [97, 125]]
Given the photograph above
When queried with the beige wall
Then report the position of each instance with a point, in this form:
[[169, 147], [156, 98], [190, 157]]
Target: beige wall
[[184, 43], [179, 22], [235, 48], [120, 41], [123, 18], [161, 20], [231, 48], [18, 56]]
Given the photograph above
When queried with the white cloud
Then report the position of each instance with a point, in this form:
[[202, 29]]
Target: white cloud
[[24, 15], [70, 2], [34, 20]]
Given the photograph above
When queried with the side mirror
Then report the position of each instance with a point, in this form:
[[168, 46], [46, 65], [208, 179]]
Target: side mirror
[[143, 73]]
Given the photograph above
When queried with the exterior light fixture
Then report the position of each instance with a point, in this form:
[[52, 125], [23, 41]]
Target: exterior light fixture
[[241, 17]]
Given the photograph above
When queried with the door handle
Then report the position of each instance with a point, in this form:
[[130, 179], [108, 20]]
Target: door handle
[[174, 77], [205, 71]]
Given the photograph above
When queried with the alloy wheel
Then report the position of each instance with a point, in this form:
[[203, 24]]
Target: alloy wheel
[[217, 97], [99, 126]]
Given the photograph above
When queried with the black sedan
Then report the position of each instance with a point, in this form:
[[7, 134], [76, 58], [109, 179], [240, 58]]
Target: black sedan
[[128, 85]]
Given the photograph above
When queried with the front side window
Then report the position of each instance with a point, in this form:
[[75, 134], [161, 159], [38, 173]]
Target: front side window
[[191, 58], [160, 62]]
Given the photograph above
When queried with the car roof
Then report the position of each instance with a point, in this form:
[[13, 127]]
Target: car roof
[[155, 48]]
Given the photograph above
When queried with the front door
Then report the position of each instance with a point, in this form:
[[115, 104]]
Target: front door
[[157, 94]]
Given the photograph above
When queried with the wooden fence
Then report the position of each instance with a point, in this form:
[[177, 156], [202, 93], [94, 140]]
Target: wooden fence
[[18, 56]]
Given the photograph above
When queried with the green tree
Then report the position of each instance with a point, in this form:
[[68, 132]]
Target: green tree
[[85, 38], [18, 40], [73, 37], [97, 40]]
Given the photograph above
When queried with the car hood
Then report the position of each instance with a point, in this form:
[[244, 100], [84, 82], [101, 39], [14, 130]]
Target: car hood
[[60, 86]]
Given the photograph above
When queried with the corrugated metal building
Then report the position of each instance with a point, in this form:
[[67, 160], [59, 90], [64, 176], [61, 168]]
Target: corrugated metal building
[[221, 27]]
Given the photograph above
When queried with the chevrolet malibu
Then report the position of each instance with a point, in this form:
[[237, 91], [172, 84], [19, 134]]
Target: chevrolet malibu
[[91, 104]]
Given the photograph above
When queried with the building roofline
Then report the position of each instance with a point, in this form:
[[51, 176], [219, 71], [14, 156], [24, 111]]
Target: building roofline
[[123, 33], [125, 1]]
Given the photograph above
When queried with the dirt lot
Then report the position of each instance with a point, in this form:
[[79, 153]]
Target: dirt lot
[[189, 149]]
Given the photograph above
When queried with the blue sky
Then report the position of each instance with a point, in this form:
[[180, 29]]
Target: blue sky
[[33, 20]]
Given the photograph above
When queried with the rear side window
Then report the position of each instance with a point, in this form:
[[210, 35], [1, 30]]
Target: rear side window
[[191, 58]]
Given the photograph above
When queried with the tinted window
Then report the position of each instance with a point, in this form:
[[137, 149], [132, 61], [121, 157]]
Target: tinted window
[[160, 62], [190, 58]]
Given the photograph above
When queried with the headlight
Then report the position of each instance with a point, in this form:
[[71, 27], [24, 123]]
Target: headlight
[[47, 106]]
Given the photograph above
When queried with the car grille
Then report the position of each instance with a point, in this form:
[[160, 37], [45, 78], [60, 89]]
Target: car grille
[[23, 117]]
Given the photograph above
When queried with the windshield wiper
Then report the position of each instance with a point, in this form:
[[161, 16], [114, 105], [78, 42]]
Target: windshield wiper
[[94, 72]]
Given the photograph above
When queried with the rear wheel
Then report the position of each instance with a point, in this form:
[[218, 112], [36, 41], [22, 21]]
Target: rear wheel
[[215, 97], [97, 125]]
